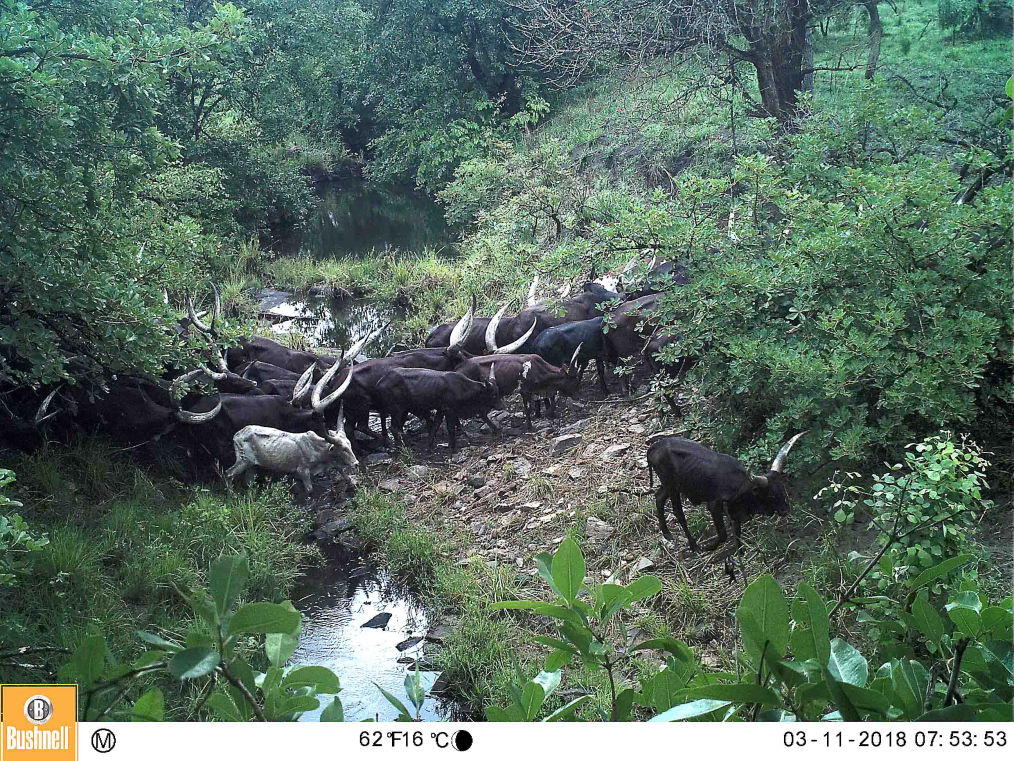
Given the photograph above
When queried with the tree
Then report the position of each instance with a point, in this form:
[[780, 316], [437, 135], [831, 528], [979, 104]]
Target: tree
[[771, 36]]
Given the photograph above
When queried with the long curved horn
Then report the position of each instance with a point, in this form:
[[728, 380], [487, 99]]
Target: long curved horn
[[491, 328], [531, 292], [303, 386], [462, 329], [315, 398], [357, 348], [194, 418], [779, 461], [513, 346], [40, 415], [217, 313], [573, 359], [175, 388]]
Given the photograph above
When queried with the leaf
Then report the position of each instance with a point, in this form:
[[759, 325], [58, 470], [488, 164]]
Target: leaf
[[149, 707], [532, 697], [642, 587], [909, 680], [227, 578], [223, 707], [847, 664], [544, 563], [413, 687], [280, 647], [265, 618], [333, 712], [691, 710], [159, 642], [811, 638], [763, 615], [89, 660], [963, 610], [566, 711], [936, 572], [674, 647], [193, 662], [394, 701], [568, 569], [838, 695], [319, 677], [926, 619], [549, 681], [737, 693]]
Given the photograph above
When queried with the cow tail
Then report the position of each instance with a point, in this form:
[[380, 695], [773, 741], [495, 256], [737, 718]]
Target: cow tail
[[651, 475]]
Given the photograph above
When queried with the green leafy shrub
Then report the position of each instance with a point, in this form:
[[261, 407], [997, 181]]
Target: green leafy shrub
[[16, 539]]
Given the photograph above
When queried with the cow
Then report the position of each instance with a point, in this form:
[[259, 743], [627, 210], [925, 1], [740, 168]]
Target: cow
[[659, 276], [688, 469], [220, 420], [535, 376], [266, 350], [450, 395], [628, 329], [305, 454], [474, 342], [558, 345]]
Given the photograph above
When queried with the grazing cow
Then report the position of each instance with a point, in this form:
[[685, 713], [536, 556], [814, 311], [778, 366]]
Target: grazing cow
[[304, 454], [558, 346], [450, 395], [534, 375], [704, 476]]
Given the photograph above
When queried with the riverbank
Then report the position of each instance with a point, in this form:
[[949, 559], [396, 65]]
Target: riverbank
[[126, 541]]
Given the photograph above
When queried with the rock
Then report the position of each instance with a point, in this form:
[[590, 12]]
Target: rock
[[459, 457], [576, 474], [602, 490], [418, 471], [590, 450], [480, 528], [389, 484], [406, 644], [531, 505], [421, 663], [598, 530], [379, 621], [577, 426], [614, 451], [378, 458], [552, 470], [336, 526], [562, 444], [637, 429], [643, 564], [521, 466], [442, 684], [476, 481]]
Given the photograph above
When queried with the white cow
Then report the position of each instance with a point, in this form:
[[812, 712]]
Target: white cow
[[304, 454]]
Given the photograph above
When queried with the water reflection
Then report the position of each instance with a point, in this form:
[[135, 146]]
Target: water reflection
[[335, 323], [336, 601], [354, 219]]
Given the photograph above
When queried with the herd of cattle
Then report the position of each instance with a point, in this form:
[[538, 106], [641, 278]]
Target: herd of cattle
[[299, 412]]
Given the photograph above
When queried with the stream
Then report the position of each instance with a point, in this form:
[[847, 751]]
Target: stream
[[341, 600]]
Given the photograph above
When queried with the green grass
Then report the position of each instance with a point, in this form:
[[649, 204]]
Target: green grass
[[123, 544]]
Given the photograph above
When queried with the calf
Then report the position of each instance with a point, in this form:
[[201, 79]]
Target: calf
[[304, 454], [450, 395], [535, 376], [704, 476]]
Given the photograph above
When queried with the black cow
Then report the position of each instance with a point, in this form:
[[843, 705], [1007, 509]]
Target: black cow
[[266, 350], [628, 331], [450, 395], [704, 476], [559, 345]]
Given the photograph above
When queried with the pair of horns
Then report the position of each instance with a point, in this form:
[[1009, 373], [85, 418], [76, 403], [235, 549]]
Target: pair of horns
[[513, 346], [779, 462], [317, 400]]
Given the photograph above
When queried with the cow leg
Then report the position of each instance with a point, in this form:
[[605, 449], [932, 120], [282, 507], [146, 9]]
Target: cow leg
[[526, 405], [453, 424], [661, 495], [551, 405], [681, 518], [600, 370], [717, 511], [398, 428]]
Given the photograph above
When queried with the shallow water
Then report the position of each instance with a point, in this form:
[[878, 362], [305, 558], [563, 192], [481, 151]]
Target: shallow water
[[357, 219], [336, 601]]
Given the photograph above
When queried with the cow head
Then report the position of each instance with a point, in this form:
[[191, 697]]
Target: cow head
[[767, 495], [340, 447], [492, 389], [571, 372]]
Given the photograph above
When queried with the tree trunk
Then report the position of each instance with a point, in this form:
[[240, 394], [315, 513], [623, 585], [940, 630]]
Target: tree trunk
[[808, 62], [778, 52], [876, 35]]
